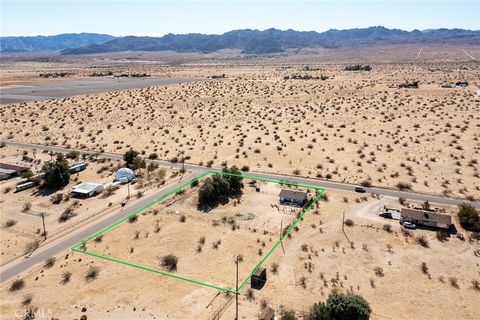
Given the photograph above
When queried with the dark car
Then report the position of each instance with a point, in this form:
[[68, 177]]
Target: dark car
[[360, 189]]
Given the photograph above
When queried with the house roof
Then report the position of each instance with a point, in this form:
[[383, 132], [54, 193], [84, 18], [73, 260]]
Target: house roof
[[14, 167], [85, 188], [422, 215], [293, 194]]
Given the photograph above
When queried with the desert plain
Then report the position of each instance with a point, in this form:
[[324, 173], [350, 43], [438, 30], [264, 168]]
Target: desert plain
[[299, 114]]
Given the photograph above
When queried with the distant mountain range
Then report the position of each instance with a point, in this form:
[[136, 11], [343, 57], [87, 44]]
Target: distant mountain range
[[248, 41], [52, 43]]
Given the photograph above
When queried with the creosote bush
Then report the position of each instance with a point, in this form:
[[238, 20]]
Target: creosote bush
[[169, 262]]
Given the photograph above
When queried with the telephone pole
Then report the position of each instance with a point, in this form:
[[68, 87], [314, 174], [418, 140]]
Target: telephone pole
[[43, 222]]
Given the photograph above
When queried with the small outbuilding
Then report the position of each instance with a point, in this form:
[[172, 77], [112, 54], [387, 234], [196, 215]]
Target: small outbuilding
[[259, 278], [87, 189], [295, 197], [426, 218], [8, 170], [124, 175]]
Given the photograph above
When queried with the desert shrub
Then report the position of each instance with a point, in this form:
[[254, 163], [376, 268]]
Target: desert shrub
[[10, 223], [133, 219], [57, 173], [66, 277], [182, 218], [453, 282], [469, 217], [98, 238], [422, 240], [340, 306], [17, 285], [379, 271], [66, 215], [169, 262], [26, 206], [49, 262], [27, 299], [287, 315], [30, 313], [442, 235], [274, 268], [366, 183], [349, 223], [250, 295], [92, 273], [387, 227], [407, 233], [476, 285], [73, 154], [404, 186], [424, 268]]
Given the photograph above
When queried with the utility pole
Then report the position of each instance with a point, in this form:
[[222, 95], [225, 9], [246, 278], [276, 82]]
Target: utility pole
[[128, 188], [343, 221], [236, 292], [43, 222]]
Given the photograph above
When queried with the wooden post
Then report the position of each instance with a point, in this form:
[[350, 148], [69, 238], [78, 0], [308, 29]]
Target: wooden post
[[236, 292], [343, 221]]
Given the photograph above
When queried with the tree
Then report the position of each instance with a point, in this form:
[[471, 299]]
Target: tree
[[206, 193], [341, 306], [318, 312], [130, 157], [220, 187], [236, 183], [469, 217], [57, 173]]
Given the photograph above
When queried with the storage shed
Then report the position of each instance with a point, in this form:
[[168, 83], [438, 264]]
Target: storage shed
[[259, 278], [87, 189]]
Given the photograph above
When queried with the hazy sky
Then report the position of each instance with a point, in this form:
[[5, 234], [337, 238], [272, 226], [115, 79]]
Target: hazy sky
[[155, 18]]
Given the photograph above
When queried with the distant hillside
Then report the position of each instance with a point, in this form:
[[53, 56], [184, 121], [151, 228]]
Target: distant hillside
[[273, 40], [52, 43]]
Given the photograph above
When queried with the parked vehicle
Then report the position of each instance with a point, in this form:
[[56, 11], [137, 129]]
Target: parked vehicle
[[409, 225], [24, 186], [360, 189]]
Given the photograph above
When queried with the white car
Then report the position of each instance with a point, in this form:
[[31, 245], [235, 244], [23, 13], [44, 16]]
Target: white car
[[409, 225]]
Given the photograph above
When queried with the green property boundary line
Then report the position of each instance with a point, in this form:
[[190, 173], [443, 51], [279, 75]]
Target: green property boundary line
[[207, 284]]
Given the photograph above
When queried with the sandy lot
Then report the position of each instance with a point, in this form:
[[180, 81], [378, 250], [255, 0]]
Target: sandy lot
[[317, 259]]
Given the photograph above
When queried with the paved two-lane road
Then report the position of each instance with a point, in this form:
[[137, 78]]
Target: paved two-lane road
[[20, 265], [315, 182]]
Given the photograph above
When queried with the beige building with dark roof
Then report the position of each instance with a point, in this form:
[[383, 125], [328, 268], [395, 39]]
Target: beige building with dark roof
[[426, 218]]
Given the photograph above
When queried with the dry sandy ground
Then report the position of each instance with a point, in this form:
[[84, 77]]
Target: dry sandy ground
[[353, 127], [317, 260], [27, 230]]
